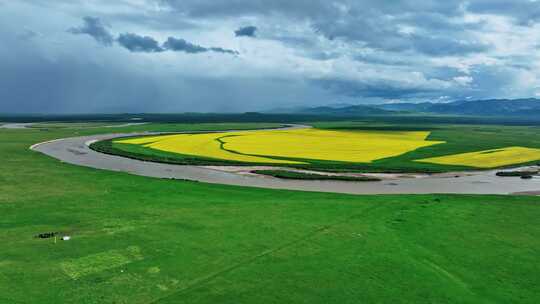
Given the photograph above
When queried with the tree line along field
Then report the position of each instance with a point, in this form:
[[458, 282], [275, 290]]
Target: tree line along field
[[446, 147], [144, 240]]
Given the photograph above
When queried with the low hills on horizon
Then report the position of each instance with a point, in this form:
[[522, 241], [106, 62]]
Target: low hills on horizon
[[487, 107], [526, 110]]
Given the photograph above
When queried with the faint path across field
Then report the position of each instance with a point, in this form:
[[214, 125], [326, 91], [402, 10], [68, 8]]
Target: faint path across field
[[76, 151]]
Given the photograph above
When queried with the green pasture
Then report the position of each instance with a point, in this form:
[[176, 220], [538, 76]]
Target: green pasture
[[145, 240]]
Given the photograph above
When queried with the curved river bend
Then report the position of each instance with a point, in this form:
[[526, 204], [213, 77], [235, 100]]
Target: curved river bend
[[76, 151]]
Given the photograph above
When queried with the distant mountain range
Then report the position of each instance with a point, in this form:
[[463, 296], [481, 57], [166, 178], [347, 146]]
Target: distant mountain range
[[490, 107], [346, 110]]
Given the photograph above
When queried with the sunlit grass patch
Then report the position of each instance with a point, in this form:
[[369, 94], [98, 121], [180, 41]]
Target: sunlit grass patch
[[488, 158], [113, 226], [99, 262]]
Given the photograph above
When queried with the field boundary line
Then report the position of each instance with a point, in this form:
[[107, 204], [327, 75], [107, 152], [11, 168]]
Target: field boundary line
[[208, 278]]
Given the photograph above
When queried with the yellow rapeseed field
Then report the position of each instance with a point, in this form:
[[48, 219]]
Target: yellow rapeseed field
[[488, 158], [206, 145], [346, 146], [258, 146]]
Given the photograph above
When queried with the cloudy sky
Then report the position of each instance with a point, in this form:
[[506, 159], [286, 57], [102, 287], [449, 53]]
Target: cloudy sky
[[75, 56]]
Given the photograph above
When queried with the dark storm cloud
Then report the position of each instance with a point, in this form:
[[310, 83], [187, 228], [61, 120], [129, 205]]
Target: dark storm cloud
[[319, 10], [136, 43], [321, 50], [437, 37], [33, 83], [146, 44], [93, 27], [175, 44], [376, 24], [314, 10], [224, 8], [222, 50], [246, 31], [141, 44], [371, 21], [181, 45]]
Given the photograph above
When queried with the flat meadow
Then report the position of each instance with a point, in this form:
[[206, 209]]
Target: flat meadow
[[145, 240]]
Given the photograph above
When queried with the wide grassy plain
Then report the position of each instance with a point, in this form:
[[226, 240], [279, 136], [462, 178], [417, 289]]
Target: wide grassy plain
[[457, 139], [144, 240]]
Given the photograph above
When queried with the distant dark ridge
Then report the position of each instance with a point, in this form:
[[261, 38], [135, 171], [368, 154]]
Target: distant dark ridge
[[489, 107], [413, 119], [492, 107], [346, 111]]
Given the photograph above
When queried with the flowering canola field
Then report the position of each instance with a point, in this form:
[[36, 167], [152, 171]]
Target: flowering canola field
[[205, 145], [290, 145], [488, 158], [345, 146]]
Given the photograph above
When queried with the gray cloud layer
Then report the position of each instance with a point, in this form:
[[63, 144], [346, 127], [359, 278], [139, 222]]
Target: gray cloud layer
[[301, 52]]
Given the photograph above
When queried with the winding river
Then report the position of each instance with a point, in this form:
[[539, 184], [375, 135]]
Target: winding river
[[76, 151]]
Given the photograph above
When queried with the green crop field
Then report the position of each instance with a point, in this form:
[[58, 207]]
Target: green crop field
[[144, 240], [457, 138]]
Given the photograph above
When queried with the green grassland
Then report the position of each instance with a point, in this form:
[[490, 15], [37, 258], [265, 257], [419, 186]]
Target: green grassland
[[458, 138], [106, 127], [143, 240], [71, 125]]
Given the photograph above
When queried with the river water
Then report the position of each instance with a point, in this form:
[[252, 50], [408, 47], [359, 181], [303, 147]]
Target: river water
[[76, 151]]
